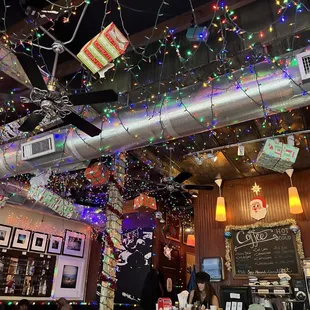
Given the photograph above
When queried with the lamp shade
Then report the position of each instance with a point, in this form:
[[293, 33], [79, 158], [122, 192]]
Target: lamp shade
[[220, 213], [190, 240], [294, 201]]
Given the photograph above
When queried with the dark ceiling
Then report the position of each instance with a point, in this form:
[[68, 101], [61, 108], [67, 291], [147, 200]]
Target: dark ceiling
[[137, 15]]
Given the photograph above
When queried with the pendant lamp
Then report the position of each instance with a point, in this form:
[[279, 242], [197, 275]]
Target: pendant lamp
[[294, 200], [190, 240], [220, 212]]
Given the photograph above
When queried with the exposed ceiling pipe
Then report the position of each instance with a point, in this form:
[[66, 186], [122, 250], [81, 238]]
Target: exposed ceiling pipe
[[202, 109]]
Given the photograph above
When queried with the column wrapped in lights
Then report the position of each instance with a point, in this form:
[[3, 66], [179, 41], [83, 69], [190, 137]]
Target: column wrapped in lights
[[220, 212], [112, 236], [293, 195]]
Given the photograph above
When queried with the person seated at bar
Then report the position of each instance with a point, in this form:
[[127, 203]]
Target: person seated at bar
[[204, 294], [23, 304], [63, 304]]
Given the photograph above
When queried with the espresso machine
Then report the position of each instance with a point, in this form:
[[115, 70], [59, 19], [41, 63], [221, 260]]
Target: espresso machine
[[300, 296]]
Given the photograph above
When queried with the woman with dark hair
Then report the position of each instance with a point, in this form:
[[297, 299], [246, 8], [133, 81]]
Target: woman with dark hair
[[204, 293], [24, 304]]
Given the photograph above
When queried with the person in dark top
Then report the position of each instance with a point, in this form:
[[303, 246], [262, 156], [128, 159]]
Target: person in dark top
[[24, 304], [153, 288], [204, 293]]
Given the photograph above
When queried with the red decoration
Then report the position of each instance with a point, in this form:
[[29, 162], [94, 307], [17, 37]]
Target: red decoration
[[164, 303], [116, 212], [112, 283], [109, 44], [144, 201], [97, 174]]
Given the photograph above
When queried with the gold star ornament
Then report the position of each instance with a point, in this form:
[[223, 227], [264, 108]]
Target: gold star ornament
[[255, 188]]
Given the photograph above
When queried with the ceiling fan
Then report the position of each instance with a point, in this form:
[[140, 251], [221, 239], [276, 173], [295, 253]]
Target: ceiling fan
[[175, 184], [55, 105]]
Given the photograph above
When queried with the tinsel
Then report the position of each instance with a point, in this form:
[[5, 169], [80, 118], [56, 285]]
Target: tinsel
[[229, 228], [111, 282], [116, 212], [110, 243]]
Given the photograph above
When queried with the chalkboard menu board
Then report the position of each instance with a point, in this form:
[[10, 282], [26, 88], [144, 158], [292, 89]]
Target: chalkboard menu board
[[264, 251]]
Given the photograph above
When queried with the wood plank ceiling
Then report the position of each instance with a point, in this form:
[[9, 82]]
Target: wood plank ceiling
[[228, 164]]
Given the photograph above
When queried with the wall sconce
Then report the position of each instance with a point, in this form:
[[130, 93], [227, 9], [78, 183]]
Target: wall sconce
[[190, 240], [220, 212], [294, 200]]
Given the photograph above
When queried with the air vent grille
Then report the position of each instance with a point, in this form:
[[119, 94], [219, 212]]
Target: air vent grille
[[39, 147], [304, 65]]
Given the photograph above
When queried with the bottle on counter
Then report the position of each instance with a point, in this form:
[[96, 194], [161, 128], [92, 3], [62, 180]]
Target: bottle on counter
[[44, 288], [40, 287], [1, 264], [6, 290], [24, 291], [28, 288], [32, 268]]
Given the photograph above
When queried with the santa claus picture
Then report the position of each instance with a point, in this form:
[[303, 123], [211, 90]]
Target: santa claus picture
[[258, 208]]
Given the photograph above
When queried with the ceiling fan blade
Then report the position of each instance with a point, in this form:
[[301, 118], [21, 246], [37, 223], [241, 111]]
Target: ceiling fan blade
[[207, 187], [31, 69], [82, 124], [31, 122], [101, 96], [183, 176]]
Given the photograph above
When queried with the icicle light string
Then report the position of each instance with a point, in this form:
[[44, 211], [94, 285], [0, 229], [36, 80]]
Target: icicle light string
[[153, 30]]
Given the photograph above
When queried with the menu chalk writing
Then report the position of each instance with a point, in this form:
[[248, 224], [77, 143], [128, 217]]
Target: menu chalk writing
[[264, 251]]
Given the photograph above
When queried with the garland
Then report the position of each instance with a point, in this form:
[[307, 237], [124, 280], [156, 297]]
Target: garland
[[111, 282], [111, 245], [115, 211], [117, 185], [290, 222]]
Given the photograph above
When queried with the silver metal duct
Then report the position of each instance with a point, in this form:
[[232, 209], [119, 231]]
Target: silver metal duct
[[229, 101]]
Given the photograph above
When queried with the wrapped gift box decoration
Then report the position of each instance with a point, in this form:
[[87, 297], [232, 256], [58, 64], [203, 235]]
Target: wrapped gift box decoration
[[144, 201], [270, 154], [97, 174], [277, 156], [103, 49], [288, 158], [196, 34]]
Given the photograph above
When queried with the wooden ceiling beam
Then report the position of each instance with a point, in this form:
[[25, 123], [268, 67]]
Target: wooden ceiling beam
[[179, 23], [11, 67]]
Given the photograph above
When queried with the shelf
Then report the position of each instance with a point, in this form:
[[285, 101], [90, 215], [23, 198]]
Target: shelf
[[268, 286]]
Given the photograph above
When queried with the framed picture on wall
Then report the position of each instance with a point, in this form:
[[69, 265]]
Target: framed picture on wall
[[38, 242], [74, 243], [55, 245], [69, 278], [172, 228], [21, 239], [5, 235]]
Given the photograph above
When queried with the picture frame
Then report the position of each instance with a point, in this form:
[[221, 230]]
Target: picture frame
[[55, 245], [190, 265], [5, 235], [74, 243], [173, 228], [21, 239], [38, 242], [68, 280], [214, 267]]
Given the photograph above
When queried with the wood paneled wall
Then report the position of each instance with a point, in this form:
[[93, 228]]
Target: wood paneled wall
[[210, 234]]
